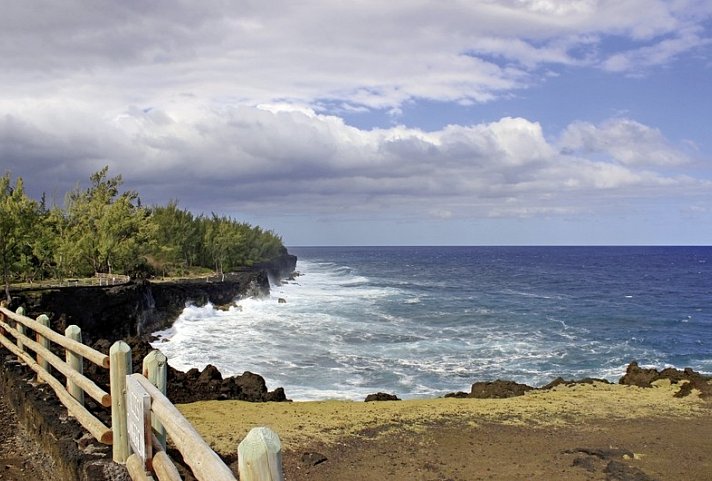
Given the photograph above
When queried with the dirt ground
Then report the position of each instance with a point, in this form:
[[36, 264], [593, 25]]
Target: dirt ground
[[632, 450], [584, 433], [20, 459]]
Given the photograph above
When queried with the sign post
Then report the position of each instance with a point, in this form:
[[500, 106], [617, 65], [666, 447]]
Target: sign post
[[138, 420]]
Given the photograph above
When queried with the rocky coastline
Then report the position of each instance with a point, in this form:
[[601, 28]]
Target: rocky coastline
[[687, 378], [132, 311]]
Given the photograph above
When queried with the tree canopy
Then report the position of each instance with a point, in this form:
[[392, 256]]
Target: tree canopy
[[102, 229]]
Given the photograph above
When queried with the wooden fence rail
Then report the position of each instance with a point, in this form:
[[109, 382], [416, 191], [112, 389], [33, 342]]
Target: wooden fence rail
[[204, 462], [100, 431], [98, 358], [259, 454]]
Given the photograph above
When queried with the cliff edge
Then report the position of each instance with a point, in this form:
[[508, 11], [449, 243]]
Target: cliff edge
[[140, 307]]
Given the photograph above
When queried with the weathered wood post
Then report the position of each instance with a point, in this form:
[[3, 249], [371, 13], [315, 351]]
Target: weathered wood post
[[119, 367], [155, 369], [20, 328], [164, 468], [2, 317], [259, 456], [76, 362], [42, 341], [136, 469], [204, 462]]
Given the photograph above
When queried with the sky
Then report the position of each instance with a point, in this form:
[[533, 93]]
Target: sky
[[406, 122]]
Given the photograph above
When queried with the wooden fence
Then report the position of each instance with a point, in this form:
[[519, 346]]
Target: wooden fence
[[142, 416]]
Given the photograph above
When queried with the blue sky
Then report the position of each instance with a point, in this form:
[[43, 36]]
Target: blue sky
[[368, 123]]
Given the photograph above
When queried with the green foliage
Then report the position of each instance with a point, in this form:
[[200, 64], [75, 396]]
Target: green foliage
[[103, 230], [184, 241], [19, 216]]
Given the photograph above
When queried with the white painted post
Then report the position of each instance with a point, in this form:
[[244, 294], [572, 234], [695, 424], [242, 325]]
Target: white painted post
[[43, 341], [20, 328], [119, 367], [155, 369], [75, 361], [259, 456]]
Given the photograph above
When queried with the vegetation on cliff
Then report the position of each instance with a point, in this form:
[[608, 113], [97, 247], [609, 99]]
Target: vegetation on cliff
[[102, 229]]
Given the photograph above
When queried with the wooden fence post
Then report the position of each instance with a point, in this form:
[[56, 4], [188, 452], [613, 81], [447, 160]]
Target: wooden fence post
[[3, 303], [76, 362], [43, 341], [119, 367], [155, 369], [20, 328], [259, 456]]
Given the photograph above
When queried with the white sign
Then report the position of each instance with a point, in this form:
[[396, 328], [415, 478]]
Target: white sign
[[138, 419]]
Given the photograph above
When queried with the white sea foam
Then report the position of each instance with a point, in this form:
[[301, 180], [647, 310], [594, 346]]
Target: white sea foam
[[342, 335]]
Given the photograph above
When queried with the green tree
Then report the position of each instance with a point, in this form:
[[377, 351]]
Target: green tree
[[106, 230], [18, 217], [178, 237]]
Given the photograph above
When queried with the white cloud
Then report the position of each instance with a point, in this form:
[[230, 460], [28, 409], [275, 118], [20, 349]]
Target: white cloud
[[660, 53], [252, 159], [627, 141], [363, 54], [232, 106]]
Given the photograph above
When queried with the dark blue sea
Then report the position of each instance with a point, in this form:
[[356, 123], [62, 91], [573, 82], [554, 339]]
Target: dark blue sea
[[424, 321]]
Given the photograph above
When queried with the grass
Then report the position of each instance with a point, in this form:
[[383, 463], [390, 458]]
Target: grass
[[223, 424]]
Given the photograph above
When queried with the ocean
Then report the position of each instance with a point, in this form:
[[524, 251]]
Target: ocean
[[424, 321]]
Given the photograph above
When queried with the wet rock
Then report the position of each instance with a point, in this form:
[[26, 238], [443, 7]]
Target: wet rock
[[251, 385], [282, 300], [690, 379], [193, 385], [457, 395], [560, 380], [638, 376], [277, 395], [207, 385], [498, 389], [381, 396], [210, 373]]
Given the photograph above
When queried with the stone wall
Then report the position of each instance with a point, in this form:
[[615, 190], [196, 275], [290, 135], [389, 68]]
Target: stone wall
[[75, 454]]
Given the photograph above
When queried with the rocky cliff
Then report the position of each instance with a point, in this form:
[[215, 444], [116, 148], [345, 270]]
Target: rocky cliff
[[141, 307]]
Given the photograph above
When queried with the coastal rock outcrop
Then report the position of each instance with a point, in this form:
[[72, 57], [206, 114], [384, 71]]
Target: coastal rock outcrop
[[560, 380], [209, 385], [281, 267], [498, 389], [193, 385], [135, 308], [381, 396], [142, 306], [690, 379]]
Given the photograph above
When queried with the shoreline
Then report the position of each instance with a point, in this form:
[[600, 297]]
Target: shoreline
[[299, 421], [578, 432]]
